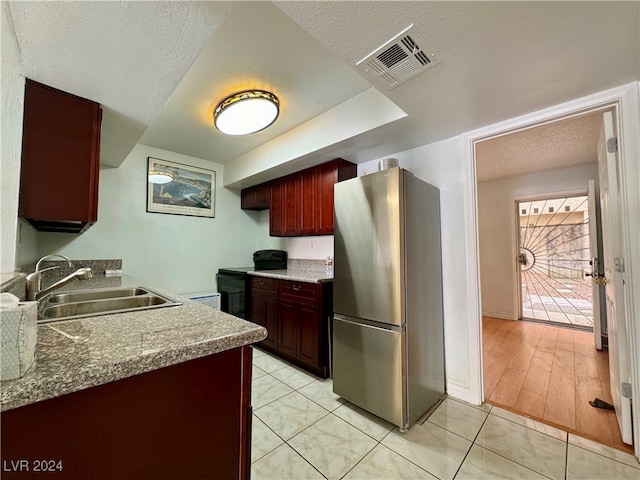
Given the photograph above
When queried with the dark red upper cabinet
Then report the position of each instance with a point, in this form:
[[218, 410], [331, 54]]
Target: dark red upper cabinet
[[276, 209], [301, 203], [60, 160], [255, 198], [327, 175]]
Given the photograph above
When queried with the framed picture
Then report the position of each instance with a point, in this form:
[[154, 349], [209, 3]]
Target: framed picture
[[180, 189]]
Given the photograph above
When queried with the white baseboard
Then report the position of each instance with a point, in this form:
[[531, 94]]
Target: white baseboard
[[460, 392], [503, 315]]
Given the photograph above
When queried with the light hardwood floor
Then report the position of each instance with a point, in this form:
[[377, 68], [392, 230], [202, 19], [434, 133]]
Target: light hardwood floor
[[549, 373]]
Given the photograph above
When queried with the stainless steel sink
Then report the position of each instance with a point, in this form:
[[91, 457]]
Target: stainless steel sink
[[88, 303], [83, 296]]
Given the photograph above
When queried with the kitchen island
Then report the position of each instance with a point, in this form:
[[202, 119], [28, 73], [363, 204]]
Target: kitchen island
[[159, 393]]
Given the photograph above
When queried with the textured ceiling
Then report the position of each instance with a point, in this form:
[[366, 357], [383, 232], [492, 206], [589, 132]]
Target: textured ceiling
[[148, 64], [128, 56], [258, 46], [555, 145], [499, 59]]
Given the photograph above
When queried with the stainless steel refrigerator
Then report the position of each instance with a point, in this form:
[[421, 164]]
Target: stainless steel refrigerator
[[388, 340]]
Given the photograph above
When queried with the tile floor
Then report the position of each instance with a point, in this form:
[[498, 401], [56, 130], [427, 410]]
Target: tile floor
[[302, 430]]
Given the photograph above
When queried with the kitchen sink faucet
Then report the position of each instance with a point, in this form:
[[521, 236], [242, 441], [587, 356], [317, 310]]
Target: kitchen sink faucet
[[34, 289]]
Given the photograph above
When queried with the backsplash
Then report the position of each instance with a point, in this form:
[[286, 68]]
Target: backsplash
[[97, 266], [16, 285], [305, 265]]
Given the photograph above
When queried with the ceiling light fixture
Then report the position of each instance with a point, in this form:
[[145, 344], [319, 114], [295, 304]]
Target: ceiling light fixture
[[246, 112], [160, 177]]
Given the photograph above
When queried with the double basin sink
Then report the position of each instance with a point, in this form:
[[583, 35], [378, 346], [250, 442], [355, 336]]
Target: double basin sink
[[88, 303]]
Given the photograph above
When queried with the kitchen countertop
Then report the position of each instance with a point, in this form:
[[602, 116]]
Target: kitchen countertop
[[295, 275], [73, 355]]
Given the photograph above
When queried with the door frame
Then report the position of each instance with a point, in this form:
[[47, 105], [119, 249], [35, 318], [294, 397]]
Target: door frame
[[516, 235], [625, 100]]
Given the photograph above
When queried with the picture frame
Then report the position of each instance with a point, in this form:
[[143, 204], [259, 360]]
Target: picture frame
[[179, 189]]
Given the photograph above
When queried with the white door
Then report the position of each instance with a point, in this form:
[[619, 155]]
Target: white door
[[596, 265], [613, 269]]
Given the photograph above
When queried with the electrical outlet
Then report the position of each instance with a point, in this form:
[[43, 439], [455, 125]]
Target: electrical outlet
[[313, 244]]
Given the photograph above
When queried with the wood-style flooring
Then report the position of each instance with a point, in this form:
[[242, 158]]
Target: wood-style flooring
[[549, 373]]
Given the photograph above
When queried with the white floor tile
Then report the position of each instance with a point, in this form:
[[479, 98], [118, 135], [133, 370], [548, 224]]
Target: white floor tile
[[431, 447], [321, 392], [294, 377], [257, 372], [263, 440], [290, 414], [368, 423], [291, 403], [283, 463], [483, 464], [604, 450], [582, 464], [269, 363], [332, 446], [459, 418], [530, 423], [537, 451], [257, 352], [266, 389], [383, 463]]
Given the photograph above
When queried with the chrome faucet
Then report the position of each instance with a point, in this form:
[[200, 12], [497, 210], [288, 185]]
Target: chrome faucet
[[34, 289], [49, 257]]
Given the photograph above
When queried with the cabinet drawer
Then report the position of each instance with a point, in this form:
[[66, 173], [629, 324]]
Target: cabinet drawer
[[301, 292], [265, 285]]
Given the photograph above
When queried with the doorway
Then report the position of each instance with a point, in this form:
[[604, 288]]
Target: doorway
[[624, 101], [545, 371], [554, 259]]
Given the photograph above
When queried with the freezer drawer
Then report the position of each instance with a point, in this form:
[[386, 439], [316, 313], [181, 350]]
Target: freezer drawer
[[369, 366]]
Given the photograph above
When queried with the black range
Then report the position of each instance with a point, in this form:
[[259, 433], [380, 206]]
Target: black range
[[233, 282]]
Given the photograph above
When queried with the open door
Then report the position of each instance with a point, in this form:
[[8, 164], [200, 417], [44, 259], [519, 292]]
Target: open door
[[614, 276], [554, 245], [597, 267]]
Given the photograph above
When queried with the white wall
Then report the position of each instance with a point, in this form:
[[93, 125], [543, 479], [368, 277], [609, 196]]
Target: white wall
[[12, 93], [310, 248], [179, 253], [441, 164], [497, 234], [12, 110]]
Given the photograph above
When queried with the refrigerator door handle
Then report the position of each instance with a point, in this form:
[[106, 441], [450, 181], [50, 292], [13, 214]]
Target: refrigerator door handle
[[369, 323]]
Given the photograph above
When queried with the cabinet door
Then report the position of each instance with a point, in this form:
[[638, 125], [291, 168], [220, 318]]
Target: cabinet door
[[309, 335], [292, 214], [276, 208], [308, 202], [289, 331], [271, 311], [255, 198], [256, 315], [60, 159], [326, 177]]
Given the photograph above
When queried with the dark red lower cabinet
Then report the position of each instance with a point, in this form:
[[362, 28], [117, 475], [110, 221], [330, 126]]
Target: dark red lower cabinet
[[186, 421]]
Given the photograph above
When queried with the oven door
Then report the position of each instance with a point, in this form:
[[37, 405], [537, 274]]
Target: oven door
[[232, 290]]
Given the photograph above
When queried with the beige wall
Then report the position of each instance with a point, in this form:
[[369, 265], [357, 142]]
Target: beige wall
[[497, 233]]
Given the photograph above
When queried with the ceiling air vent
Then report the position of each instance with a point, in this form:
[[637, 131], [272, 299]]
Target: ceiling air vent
[[401, 58]]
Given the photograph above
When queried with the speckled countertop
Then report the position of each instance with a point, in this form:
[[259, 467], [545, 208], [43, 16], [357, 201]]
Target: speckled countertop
[[77, 354], [295, 275]]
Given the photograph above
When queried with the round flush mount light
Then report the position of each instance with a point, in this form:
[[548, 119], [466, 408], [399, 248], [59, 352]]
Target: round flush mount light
[[246, 112], [160, 177]]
